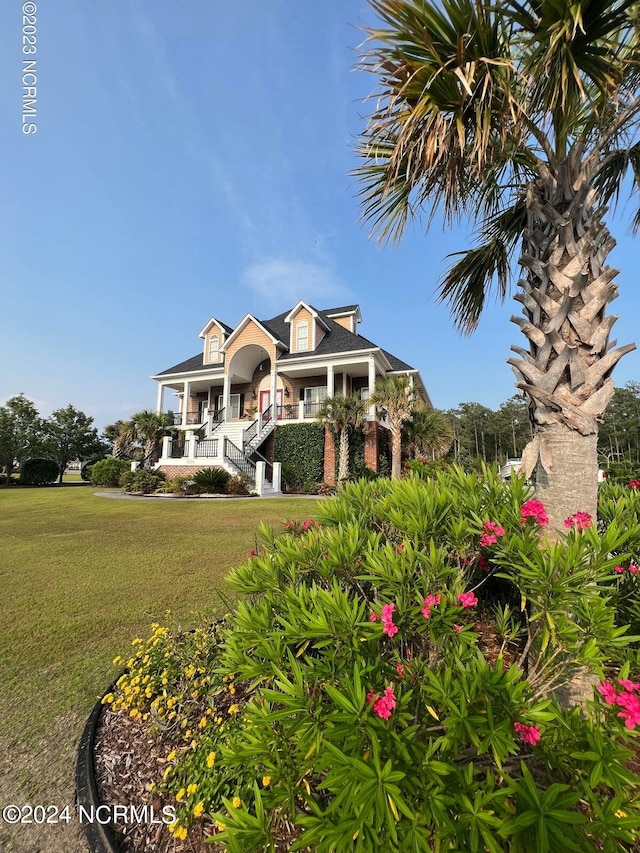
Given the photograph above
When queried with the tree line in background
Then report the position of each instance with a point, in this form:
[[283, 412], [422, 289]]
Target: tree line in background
[[469, 434], [69, 435]]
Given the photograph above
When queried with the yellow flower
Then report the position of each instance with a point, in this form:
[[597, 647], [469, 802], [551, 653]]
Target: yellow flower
[[181, 833], [172, 755], [220, 826], [620, 813], [198, 809], [232, 690], [236, 802], [117, 659], [166, 774], [108, 699], [266, 781], [211, 759], [180, 795], [203, 722], [192, 789], [233, 709]]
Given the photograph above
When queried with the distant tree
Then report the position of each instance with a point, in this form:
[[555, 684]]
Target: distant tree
[[619, 435], [342, 415], [393, 397], [70, 434], [429, 433], [20, 433]]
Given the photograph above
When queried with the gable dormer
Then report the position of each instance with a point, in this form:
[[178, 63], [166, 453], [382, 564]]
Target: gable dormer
[[348, 317], [214, 334], [306, 328]]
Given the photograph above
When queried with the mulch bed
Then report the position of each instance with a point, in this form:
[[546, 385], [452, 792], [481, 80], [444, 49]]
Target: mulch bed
[[128, 759]]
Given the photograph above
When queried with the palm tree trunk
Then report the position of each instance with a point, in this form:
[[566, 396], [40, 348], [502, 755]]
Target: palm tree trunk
[[396, 452], [566, 371], [343, 464]]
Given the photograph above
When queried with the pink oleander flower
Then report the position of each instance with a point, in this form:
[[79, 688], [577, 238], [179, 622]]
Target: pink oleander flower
[[619, 570], [634, 484], [400, 548], [400, 670], [457, 628], [633, 569], [608, 692], [385, 704], [309, 523], [630, 704], [373, 617], [467, 599], [580, 520], [534, 509], [429, 602], [371, 696], [529, 734], [631, 686], [487, 539], [483, 564], [387, 620], [493, 527], [253, 553]]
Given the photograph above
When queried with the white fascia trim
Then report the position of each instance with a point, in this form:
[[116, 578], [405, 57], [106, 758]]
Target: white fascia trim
[[213, 321], [241, 325], [416, 378], [337, 358], [356, 313], [200, 373], [312, 311]]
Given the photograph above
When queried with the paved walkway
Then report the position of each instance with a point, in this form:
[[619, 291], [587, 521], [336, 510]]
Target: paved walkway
[[116, 494]]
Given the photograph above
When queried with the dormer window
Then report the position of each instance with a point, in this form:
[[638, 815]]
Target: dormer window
[[302, 336], [214, 348]]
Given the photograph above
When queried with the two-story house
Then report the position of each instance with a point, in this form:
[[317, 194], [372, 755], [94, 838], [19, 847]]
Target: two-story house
[[248, 380]]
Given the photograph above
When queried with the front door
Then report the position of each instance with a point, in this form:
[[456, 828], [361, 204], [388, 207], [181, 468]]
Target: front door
[[265, 401]]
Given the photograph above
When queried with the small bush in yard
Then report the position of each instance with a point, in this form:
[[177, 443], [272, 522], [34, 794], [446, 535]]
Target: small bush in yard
[[213, 480], [39, 472], [390, 681], [142, 481], [109, 472]]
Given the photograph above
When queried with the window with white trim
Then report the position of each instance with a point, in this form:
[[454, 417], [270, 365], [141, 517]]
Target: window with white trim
[[214, 348], [302, 336], [312, 399]]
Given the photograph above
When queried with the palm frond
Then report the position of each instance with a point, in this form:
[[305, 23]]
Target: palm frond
[[471, 279]]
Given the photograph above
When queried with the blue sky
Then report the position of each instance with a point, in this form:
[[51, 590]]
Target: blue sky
[[191, 159]]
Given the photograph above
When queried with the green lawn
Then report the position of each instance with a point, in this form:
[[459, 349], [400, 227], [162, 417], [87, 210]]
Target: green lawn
[[80, 576]]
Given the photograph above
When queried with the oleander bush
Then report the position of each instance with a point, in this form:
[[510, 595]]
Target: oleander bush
[[388, 681], [39, 472], [109, 472]]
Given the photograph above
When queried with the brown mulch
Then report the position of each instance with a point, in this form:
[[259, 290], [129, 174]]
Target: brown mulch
[[128, 759]]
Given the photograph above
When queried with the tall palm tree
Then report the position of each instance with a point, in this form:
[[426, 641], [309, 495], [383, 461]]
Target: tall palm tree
[[393, 397], [521, 115], [341, 415], [428, 434], [149, 429]]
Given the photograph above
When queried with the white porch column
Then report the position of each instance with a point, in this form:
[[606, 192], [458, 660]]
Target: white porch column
[[193, 442], [344, 382], [277, 477], [186, 398], [274, 390], [166, 447], [330, 382], [226, 397], [372, 385], [260, 468], [160, 399]]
